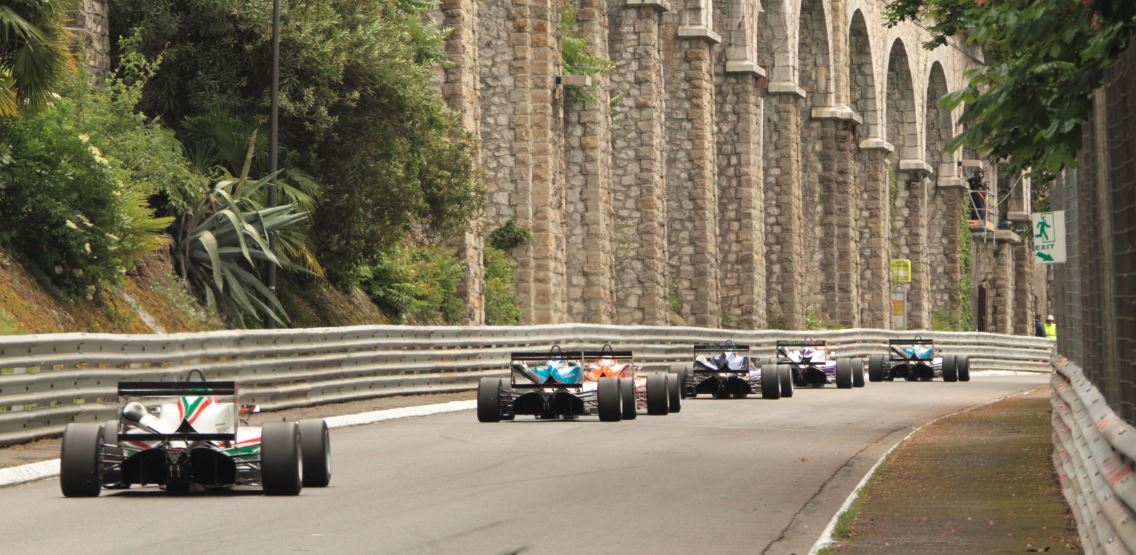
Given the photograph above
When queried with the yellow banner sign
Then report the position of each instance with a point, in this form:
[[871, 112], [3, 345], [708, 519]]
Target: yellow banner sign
[[900, 270]]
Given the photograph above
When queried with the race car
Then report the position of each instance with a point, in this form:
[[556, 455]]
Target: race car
[[812, 364], [656, 392], [187, 436], [549, 386], [915, 360], [727, 370]]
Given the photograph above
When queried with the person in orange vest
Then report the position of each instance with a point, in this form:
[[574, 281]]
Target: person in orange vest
[[1050, 327]]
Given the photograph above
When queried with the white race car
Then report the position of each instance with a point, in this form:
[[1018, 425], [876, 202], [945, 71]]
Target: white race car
[[186, 436]]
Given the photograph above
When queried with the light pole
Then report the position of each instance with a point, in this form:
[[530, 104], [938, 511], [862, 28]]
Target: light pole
[[272, 135]]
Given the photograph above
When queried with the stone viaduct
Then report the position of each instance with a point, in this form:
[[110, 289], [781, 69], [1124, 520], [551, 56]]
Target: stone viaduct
[[747, 163]]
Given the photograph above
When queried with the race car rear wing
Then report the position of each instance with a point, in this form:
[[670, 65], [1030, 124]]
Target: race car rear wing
[[782, 346], [719, 347], [541, 356], [895, 346], [140, 420], [617, 355]]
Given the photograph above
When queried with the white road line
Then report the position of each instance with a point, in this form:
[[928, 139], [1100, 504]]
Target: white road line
[[46, 469]]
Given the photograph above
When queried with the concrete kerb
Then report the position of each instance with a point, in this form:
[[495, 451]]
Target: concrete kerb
[[825, 539], [47, 469]]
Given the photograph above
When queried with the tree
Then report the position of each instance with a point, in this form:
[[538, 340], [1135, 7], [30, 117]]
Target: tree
[[34, 53], [358, 111], [1044, 60]]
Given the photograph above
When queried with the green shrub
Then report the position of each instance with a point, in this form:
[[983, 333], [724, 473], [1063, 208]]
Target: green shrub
[[416, 284], [63, 210], [500, 305], [577, 55], [509, 236]]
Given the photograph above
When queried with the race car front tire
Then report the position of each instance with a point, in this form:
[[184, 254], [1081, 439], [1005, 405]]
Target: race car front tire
[[489, 400], [627, 393], [609, 405], [315, 446], [280, 459], [785, 375], [963, 365], [79, 460], [844, 373], [771, 382], [857, 372], [674, 392], [876, 368], [657, 395], [950, 368]]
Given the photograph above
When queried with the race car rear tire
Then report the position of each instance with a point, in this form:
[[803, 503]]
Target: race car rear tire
[[857, 372], [315, 446], [657, 395], [627, 393], [950, 368], [876, 368], [683, 379], [785, 374], [489, 400], [963, 365], [79, 474], [844, 373], [609, 405], [280, 459], [771, 382], [674, 392]]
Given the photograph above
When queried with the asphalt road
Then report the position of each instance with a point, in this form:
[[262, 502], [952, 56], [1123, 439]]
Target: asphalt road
[[722, 476]]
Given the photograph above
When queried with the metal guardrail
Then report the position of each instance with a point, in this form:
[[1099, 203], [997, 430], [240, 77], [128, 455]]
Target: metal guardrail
[[48, 381], [1093, 453]]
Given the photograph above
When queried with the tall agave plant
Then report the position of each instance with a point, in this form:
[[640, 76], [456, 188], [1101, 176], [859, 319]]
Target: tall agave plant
[[222, 241]]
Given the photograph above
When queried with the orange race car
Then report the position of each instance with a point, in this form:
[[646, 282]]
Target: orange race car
[[658, 393]]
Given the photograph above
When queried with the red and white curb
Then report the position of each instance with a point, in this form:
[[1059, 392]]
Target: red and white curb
[[46, 469]]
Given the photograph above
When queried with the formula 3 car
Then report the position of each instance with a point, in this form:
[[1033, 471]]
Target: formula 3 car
[[727, 370], [657, 393], [550, 386], [916, 360], [187, 436], [812, 364]]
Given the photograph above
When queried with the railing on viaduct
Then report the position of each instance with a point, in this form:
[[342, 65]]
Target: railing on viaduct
[[48, 381]]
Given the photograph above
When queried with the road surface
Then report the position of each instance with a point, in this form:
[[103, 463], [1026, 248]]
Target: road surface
[[722, 476]]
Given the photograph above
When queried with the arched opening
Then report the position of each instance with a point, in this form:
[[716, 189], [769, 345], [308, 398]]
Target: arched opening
[[862, 77], [938, 128], [944, 248], [819, 144], [900, 104]]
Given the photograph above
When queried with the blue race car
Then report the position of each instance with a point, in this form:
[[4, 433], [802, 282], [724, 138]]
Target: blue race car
[[916, 360], [549, 386]]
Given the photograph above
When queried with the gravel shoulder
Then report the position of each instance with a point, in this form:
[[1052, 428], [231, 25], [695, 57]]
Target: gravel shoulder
[[981, 481], [45, 449]]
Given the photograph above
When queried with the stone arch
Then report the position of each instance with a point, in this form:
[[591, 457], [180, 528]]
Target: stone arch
[[736, 22], [814, 55], [862, 76], [938, 125], [900, 111], [773, 42]]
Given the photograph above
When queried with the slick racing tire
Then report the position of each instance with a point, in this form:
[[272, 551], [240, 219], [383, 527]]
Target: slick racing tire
[[489, 400], [857, 372], [785, 375], [627, 394], [950, 368], [844, 373], [280, 459], [315, 446], [771, 382], [657, 395], [876, 368], [674, 392], [79, 474], [963, 365], [609, 405]]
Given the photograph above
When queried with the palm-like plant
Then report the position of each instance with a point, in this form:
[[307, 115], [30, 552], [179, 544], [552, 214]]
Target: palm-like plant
[[221, 241], [34, 53]]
